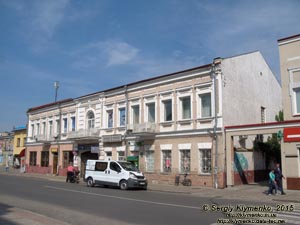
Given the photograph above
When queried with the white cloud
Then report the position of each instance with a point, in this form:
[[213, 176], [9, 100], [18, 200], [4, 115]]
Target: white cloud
[[108, 53]]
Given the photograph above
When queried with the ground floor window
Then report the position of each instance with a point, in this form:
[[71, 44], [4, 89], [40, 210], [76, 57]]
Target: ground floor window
[[205, 161], [166, 161], [108, 155], [32, 159], [67, 158], [185, 161], [149, 158], [121, 156], [45, 159]]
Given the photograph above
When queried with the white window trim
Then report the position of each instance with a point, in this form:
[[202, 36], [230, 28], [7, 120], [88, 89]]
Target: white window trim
[[119, 118], [146, 111], [131, 112], [202, 91], [293, 87]]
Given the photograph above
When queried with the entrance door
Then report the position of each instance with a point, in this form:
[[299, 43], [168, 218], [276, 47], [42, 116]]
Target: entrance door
[[55, 161]]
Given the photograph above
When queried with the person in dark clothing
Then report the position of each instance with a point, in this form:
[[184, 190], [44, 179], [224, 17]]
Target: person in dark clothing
[[70, 172], [278, 178]]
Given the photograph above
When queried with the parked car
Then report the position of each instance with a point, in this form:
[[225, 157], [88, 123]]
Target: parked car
[[114, 173]]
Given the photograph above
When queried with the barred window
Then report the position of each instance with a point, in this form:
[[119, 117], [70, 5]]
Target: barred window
[[166, 161], [205, 161], [45, 159], [32, 159], [149, 158], [185, 161]]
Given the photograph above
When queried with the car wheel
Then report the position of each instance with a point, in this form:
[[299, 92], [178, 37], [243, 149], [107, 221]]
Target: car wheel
[[123, 185], [90, 182]]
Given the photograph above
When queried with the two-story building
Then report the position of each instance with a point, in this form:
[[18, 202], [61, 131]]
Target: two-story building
[[289, 51], [168, 125], [19, 145]]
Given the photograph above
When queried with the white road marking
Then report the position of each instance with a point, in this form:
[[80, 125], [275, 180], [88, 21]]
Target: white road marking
[[123, 198]]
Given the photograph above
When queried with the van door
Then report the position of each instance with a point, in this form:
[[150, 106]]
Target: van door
[[116, 173], [100, 172]]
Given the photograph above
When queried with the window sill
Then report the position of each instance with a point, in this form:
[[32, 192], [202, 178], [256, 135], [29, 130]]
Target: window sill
[[206, 119], [188, 121], [108, 129], [167, 123]]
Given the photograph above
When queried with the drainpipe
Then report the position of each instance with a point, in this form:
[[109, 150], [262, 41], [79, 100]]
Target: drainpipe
[[126, 120], [215, 124]]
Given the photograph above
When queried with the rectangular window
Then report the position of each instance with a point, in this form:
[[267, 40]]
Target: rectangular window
[[101, 166], [135, 114], [297, 100], [32, 130], [44, 128], [24, 141], [65, 125], [149, 158], [32, 159], [45, 159], [18, 142], [67, 158], [151, 112], [50, 128], [186, 107], [263, 114], [121, 156], [110, 121], [57, 127], [205, 161], [185, 161], [205, 105], [166, 161], [108, 155], [168, 110], [37, 128], [73, 123], [122, 114]]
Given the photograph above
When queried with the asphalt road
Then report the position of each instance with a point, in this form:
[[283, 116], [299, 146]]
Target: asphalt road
[[78, 204], [54, 202]]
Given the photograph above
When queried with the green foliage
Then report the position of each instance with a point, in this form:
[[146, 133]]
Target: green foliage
[[271, 148], [279, 117]]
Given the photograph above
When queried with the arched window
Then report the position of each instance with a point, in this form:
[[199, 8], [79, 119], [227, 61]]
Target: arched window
[[91, 120]]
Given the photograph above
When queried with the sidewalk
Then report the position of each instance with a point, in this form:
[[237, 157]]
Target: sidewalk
[[252, 192]]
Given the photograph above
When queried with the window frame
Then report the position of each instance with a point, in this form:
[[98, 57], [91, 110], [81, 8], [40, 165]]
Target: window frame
[[45, 158], [32, 158], [164, 163], [182, 161], [164, 114], [90, 116], [201, 150]]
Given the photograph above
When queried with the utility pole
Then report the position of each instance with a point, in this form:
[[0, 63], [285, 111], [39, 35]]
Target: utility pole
[[56, 86]]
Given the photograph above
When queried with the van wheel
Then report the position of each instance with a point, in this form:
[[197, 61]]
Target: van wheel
[[123, 185], [90, 182]]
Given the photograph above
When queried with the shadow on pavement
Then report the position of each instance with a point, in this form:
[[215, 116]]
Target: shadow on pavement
[[4, 210]]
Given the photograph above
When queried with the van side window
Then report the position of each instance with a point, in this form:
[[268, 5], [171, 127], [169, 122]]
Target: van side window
[[100, 166], [114, 166]]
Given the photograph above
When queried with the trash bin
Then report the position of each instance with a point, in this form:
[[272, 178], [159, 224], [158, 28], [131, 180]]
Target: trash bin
[[177, 178]]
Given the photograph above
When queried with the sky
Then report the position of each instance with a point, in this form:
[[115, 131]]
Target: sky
[[93, 45]]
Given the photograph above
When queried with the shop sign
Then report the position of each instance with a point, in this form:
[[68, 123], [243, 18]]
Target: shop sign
[[291, 134]]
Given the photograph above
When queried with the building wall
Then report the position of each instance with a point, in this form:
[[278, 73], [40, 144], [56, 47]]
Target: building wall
[[249, 84], [21, 136]]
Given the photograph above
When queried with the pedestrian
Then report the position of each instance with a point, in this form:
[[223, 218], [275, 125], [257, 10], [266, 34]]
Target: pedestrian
[[278, 178], [70, 172], [272, 182]]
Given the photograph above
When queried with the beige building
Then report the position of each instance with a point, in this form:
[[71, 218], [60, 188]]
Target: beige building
[[289, 50], [168, 125]]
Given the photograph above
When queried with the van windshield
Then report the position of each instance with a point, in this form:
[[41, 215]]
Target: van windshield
[[128, 166]]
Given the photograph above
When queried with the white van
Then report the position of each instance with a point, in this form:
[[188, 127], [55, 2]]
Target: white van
[[114, 173]]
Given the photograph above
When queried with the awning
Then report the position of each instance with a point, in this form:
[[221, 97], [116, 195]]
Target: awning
[[22, 153]]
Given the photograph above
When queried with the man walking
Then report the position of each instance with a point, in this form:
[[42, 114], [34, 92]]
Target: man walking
[[278, 178]]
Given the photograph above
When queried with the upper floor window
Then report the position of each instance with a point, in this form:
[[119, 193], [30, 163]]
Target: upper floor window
[[18, 142], [297, 100], [73, 123], [150, 112], [65, 125], [135, 114], [263, 114], [50, 128], [185, 107], [90, 119], [57, 126], [37, 128], [122, 116], [205, 105], [32, 130], [44, 128], [167, 107], [110, 121]]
